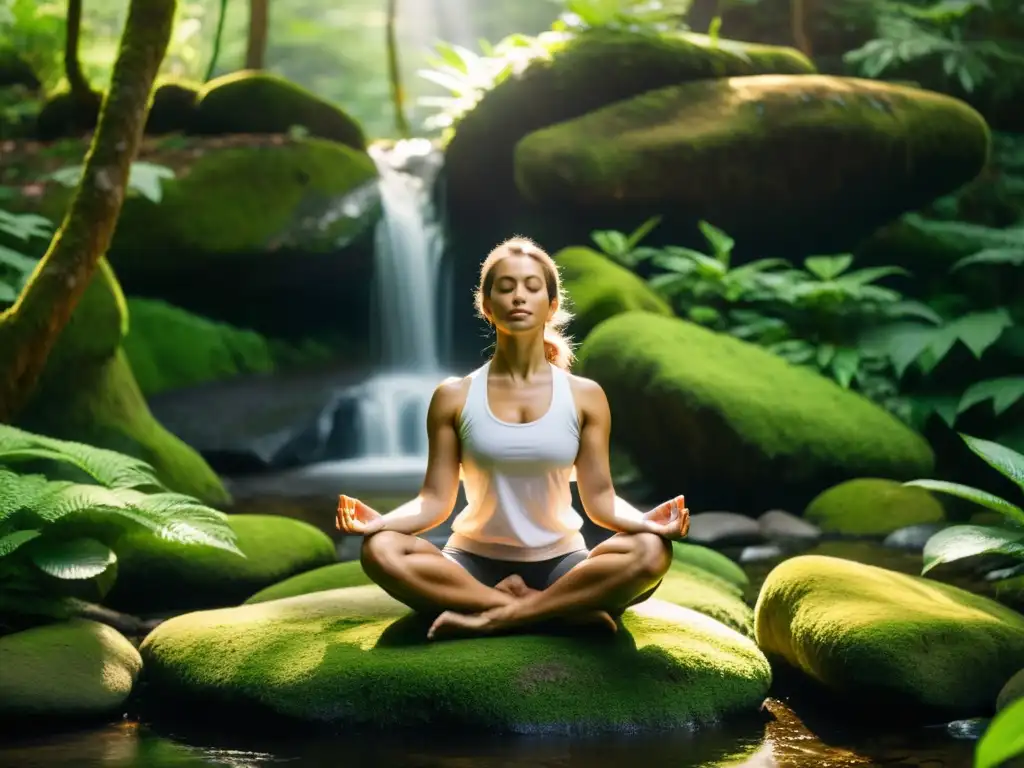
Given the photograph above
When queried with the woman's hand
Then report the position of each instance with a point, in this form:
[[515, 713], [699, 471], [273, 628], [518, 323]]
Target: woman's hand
[[356, 518], [670, 520]]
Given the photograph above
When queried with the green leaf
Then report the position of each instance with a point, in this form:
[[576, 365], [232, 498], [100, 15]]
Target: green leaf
[[983, 498], [75, 559], [960, 541], [145, 179], [845, 365], [12, 541], [1011, 256], [1003, 739], [865, 276], [913, 309], [1004, 393], [641, 232], [719, 241], [980, 330], [612, 243], [828, 267], [1004, 460], [17, 261]]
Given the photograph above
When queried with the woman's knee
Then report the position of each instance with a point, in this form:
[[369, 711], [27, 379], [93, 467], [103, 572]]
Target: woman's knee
[[653, 555], [381, 551]]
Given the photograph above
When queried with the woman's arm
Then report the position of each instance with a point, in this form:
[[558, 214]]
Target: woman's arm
[[440, 487], [593, 472]]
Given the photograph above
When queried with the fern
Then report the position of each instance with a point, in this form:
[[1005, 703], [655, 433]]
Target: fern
[[109, 468]]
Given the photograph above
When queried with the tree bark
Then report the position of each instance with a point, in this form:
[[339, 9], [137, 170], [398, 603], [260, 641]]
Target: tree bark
[[798, 13], [29, 329], [395, 72], [259, 21], [72, 64]]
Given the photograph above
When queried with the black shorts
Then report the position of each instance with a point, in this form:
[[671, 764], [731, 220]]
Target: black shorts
[[539, 574]]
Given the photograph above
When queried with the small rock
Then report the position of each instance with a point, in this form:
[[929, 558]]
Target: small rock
[[970, 730], [913, 537], [779, 524], [760, 552], [1013, 690], [724, 529]]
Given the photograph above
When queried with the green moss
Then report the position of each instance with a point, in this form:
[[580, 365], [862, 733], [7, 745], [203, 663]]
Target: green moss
[[173, 107], [865, 630], [66, 115], [70, 668], [733, 425], [805, 146], [15, 71], [709, 560], [87, 393], [259, 102], [599, 288], [156, 575], [589, 71], [357, 657], [871, 506], [334, 576], [170, 348], [1009, 693]]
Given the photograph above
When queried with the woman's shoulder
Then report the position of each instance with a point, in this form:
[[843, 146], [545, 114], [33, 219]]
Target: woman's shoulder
[[587, 392]]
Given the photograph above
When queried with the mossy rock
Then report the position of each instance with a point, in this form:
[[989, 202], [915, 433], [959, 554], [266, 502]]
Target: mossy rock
[[582, 73], [1013, 690], [169, 348], [731, 424], [15, 71], [599, 288], [710, 560], [87, 393], [74, 668], [686, 585], [173, 108], [65, 114], [156, 575], [259, 102], [357, 657], [759, 156], [888, 636], [872, 507]]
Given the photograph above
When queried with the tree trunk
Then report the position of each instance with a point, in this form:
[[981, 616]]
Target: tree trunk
[[395, 72], [217, 41], [798, 14], [259, 20], [72, 64], [29, 329]]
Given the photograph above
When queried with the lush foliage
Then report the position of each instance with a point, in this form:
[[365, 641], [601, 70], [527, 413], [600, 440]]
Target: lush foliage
[[971, 42], [64, 504], [1004, 738], [960, 541]]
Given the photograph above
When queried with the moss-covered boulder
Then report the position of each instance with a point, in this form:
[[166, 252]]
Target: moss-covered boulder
[[733, 426], [87, 393], [15, 71], [599, 288], [74, 668], [686, 584], [1009, 693], [902, 639], [357, 657], [66, 114], [709, 560], [156, 575], [872, 506], [260, 102], [760, 156], [173, 108], [572, 77]]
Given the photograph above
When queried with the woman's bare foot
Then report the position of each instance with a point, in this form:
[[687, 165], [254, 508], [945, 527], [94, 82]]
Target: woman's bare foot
[[515, 586], [450, 624]]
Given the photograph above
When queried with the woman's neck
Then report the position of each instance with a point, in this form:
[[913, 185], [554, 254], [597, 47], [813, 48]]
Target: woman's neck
[[519, 357]]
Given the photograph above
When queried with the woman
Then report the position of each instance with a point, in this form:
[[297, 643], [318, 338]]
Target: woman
[[519, 427]]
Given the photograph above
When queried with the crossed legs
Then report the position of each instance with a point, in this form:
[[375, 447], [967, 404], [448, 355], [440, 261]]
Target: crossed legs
[[617, 573]]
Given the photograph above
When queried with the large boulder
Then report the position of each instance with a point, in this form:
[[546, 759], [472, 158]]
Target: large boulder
[[74, 668], [155, 575], [872, 506], [87, 393], [733, 426], [761, 157], [261, 102], [599, 288], [905, 640], [357, 657]]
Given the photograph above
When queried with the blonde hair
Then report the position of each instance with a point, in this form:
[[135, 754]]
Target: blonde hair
[[557, 346]]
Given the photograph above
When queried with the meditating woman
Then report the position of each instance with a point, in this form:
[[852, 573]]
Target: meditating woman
[[518, 427]]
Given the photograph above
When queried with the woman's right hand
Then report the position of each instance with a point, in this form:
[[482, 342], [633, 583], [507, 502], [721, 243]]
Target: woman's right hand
[[356, 518]]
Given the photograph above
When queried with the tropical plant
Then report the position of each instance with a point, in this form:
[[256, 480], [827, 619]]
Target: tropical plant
[[961, 541], [15, 265], [1003, 740], [625, 249], [57, 532]]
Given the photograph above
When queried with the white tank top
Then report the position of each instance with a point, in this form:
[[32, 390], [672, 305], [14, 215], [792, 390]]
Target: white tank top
[[516, 478]]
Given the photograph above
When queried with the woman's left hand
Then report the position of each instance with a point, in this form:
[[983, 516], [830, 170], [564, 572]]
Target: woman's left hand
[[670, 520]]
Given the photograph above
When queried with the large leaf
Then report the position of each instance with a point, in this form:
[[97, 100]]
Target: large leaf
[[980, 330], [19, 491], [960, 541], [1005, 460], [828, 267], [13, 541], [1011, 256], [1003, 739], [985, 499], [1003, 393], [75, 559], [113, 469]]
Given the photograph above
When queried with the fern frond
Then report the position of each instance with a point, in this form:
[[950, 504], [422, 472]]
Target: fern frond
[[13, 541], [110, 468], [19, 491]]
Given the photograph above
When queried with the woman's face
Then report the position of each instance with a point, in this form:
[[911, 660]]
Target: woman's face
[[518, 300]]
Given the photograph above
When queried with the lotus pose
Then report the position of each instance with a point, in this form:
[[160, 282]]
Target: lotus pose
[[518, 428]]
